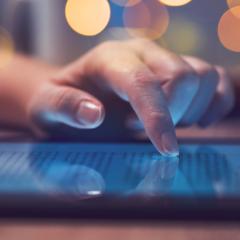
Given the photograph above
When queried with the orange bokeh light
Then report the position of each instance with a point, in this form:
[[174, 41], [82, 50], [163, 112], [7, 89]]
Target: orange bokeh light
[[126, 3], [233, 3], [6, 48], [175, 3], [148, 19], [228, 29], [89, 17]]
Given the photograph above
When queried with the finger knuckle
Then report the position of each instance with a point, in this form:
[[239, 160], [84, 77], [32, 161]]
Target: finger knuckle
[[63, 99], [143, 79]]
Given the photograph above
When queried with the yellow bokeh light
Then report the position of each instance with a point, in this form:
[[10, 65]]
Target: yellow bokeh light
[[88, 17], [175, 3], [6, 48], [228, 29], [126, 3], [147, 19], [233, 3], [184, 36]]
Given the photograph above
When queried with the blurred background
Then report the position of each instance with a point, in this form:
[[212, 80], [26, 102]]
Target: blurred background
[[59, 31]]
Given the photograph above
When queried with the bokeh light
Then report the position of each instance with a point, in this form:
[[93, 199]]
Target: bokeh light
[[89, 17], [229, 29], [233, 3], [175, 3], [6, 48], [184, 36], [126, 3], [148, 19]]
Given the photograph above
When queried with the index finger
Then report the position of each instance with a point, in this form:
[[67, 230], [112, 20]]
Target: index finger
[[132, 80]]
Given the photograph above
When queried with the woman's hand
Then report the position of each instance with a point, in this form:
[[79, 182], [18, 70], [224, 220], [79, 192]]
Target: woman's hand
[[164, 89]]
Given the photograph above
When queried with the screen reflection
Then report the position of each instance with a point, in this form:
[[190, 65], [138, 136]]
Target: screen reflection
[[80, 171]]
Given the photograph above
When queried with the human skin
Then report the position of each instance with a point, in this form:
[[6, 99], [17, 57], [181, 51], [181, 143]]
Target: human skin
[[164, 90]]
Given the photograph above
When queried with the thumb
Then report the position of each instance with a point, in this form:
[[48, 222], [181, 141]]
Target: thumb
[[67, 105]]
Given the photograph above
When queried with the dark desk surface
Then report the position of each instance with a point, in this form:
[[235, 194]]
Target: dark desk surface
[[93, 231]]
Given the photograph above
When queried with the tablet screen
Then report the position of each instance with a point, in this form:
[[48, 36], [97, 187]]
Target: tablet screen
[[85, 170]]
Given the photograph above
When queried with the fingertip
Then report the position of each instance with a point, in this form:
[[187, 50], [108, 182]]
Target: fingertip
[[169, 145]]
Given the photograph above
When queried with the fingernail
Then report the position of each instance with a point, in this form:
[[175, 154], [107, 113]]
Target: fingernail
[[89, 113], [169, 144]]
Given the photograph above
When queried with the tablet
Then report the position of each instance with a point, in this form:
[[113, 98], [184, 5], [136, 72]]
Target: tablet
[[120, 181]]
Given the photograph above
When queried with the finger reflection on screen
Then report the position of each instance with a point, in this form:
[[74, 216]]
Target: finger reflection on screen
[[62, 179], [159, 177]]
